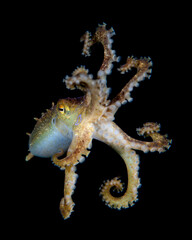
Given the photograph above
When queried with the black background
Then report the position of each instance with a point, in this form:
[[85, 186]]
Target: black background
[[45, 48]]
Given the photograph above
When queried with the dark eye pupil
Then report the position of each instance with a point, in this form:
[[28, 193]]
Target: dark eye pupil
[[61, 109]]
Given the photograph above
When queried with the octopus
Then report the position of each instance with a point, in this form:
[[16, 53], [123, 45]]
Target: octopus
[[65, 132]]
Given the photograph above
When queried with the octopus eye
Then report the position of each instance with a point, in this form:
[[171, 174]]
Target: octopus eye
[[61, 109]]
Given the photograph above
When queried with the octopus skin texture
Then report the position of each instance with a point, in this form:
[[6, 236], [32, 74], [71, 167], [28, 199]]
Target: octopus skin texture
[[69, 126]]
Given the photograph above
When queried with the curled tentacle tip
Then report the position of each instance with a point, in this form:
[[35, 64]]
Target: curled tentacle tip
[[148, 128], [114, 183]]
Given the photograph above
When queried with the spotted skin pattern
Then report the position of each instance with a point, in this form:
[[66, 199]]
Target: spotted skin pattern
[[70, 125]]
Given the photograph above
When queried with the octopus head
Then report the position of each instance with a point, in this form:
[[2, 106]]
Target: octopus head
[[53, 132]]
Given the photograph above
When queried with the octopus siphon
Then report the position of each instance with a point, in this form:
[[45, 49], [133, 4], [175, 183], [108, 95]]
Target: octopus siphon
[[65, 132]]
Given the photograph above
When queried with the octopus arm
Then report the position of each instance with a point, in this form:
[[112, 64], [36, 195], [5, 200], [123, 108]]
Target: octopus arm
[[143, 71], [114, 138], [66, 203], [103, 36], [112, 135], [78, 150], [95, 91], [159, 142]]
